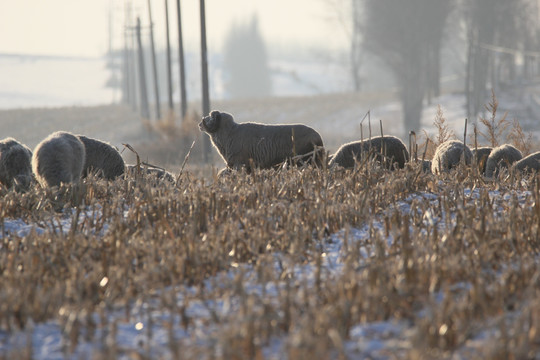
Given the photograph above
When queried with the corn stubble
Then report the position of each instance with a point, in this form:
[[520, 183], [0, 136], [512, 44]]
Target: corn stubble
[[140, 239]]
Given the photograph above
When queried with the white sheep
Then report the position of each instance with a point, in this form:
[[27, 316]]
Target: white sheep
[[15, 164], [501, 157], [448, 155], [59, 158], [264, 146]]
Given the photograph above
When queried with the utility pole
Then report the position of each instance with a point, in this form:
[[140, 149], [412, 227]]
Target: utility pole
[[126, 93], [205, 91], [182, 77], [154, 66], [145, 113], [169, 72]]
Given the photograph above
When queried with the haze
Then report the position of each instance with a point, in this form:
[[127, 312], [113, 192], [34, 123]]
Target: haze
[[81, 28]]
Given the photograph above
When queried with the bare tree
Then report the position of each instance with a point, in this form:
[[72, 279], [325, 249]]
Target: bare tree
[[438, 13], [246, 62], [406, 35], [498, 31], [356, 43]]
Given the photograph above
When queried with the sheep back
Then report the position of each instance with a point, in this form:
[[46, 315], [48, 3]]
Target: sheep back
[[265, 146], [501, 157], [101, 158], [530, 163], [15, 164], [59, 158], [389, 150], [448, 155]]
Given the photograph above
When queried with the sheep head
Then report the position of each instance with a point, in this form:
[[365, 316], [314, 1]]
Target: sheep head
[[210, 124], [216, 122]]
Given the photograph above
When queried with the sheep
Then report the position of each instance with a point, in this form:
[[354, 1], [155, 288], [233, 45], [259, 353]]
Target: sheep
[[481, 155], [529, 163], [15, 164], [101, 158], [259, 145], [448, 155], [391, 150], [501, 157], [59, 158], [426, 166], [160, 174]]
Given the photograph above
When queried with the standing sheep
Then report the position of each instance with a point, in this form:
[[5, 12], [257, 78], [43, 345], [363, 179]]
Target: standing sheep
[[388, 149], [101, 158], [529, 163], [448, 155], [265, 146], [501, 157], [59, 158], [15, 167]]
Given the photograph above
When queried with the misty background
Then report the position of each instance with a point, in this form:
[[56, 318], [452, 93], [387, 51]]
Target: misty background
[[71, 53]]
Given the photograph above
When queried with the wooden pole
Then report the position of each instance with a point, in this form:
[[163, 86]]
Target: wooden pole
[[131, 39], [182, 77], [169, 71], [205, 90], [126, 93], [145, 113], [154, 66]]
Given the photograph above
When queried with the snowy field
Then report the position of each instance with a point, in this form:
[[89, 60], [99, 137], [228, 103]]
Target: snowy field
[[183, 321], [207, 312]]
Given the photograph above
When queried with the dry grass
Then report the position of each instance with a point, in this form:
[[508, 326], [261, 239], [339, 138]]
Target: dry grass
[[140, 239], [494, 128], [461, 271]]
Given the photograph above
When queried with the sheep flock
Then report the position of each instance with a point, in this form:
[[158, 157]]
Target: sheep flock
[[65, 158]]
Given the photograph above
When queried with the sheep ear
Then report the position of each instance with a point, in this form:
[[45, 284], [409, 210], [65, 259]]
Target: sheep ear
[[216, 115], [212, 121]]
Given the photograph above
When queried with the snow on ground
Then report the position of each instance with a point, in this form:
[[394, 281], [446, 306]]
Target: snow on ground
[[145, 327], [62, 222]]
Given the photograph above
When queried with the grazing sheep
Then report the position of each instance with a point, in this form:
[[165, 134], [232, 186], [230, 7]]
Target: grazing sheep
[[501, 157], [529, 163], [15, 164], [263, 145], [426, 166], [481, 155], [101, 158], [448, 155], [387, 148], [59, 158], [160, 174]]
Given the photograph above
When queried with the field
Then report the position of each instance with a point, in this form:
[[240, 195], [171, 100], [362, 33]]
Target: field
[[288, 264]]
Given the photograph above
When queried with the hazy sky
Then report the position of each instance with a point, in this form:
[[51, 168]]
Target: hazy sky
[[81, 27]]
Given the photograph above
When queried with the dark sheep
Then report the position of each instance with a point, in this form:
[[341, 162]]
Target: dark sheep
[[481, 155], [59, 158], [101, 158], [501, 157], [264, 146], [391, 150], [530, 163], [426, 166], [160, 174], [15, 164]]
